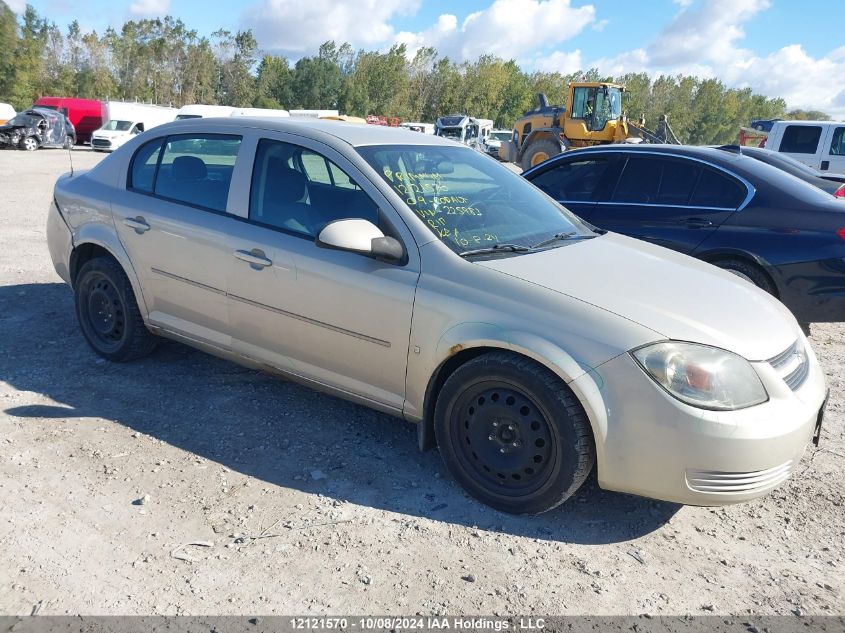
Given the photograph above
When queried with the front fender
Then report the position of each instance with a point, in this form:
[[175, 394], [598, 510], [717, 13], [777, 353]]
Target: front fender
[[583, 379]]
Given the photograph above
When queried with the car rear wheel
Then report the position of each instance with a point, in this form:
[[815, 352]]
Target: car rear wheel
[[29, 143], [108, 313], [748, 271], [513, 434]]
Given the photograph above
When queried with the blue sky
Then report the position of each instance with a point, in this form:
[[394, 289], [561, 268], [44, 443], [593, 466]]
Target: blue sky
[[777, 47]]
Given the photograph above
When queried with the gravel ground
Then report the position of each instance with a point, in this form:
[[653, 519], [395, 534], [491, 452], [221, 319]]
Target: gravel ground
[[308, 504]]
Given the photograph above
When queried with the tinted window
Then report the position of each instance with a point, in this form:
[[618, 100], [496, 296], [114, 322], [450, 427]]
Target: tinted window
[[197, 169], [575, 181], [142, 172], [837, 145], [298, 190], [640, 181], [800, 139], [677, 181], [715, 189]]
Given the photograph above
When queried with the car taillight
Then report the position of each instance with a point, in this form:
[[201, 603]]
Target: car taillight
[[840, 193], [763, 142], [841, 233]]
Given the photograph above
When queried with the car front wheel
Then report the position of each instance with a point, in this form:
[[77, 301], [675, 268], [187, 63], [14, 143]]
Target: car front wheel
[[513, 434], [29, 143], [108, 313]]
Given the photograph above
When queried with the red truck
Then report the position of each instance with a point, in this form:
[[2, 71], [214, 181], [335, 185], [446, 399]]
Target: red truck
[[86, 115]]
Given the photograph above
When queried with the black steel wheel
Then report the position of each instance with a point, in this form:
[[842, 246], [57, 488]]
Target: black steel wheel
[[108, 313], [513, 434]]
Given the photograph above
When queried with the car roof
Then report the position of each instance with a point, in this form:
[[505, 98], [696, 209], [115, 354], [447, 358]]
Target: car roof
[[352, 134]]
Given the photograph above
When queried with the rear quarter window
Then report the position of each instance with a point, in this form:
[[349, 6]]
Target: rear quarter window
[[715, 189]]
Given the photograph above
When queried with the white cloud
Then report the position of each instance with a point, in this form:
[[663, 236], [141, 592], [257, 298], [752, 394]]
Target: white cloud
[[507, 28], [708, 31], [559, 61], [17, 6], [704, 40], [599, 26], [297, 28], [149, 8]]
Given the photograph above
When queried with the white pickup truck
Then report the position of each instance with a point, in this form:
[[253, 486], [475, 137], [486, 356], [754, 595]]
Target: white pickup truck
[[819, 144]]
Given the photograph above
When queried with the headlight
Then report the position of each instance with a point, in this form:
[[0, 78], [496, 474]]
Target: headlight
[[703, 376]]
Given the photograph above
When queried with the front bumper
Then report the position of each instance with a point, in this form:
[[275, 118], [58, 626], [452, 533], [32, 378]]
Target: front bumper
[[650, 444]]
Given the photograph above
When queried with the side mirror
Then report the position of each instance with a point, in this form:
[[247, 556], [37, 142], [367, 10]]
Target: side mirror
[[360, 236]]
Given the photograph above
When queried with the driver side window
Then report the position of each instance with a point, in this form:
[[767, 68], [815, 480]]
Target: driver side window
[[300, 191]]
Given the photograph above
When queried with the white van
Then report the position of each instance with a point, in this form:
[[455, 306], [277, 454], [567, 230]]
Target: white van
[[6, 112], [819, 144], [125, 120], [199, 111]]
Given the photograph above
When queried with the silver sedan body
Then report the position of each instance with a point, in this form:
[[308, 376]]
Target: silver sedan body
[[383, 334]]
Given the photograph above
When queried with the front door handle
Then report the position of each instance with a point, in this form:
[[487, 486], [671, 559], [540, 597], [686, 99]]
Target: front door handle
[[255, 258], [697, 223], [139, 224]]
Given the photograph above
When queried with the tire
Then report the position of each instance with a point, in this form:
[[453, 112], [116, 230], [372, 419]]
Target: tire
[[108, 312], [513, 434], [29, 143], [538, 151], [749, 272]]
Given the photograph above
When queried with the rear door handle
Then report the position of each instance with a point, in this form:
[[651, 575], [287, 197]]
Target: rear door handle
[[698, 223], [255, 258], [138, 224]]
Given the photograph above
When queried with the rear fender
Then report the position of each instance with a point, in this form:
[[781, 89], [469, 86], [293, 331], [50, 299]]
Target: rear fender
[[104, 236]]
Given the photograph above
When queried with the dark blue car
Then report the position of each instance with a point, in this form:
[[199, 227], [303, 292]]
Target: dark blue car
[[738, 213]]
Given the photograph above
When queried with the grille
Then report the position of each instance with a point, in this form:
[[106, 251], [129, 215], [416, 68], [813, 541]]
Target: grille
[[100, 142], [792, 365], [714, 481]]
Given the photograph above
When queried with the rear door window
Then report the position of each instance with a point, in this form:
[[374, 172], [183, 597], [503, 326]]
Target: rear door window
[[801, 139], [640, 181], [196, 169], [716, 189], [574, 181]]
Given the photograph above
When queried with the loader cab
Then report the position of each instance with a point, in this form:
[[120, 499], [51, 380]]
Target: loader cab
[[596, 105]]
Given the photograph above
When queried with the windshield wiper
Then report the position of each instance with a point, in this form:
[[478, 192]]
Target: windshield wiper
[[497, 248], [560, 237]]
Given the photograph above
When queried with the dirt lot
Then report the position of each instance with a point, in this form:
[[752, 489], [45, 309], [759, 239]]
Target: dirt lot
[[106, 469]]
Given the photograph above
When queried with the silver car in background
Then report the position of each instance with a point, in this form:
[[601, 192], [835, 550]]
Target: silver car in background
[[412, 275]]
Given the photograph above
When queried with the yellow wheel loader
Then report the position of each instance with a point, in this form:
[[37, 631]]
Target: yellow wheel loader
[[592, 116]]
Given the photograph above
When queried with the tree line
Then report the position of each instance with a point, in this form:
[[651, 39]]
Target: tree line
[[163, 61]]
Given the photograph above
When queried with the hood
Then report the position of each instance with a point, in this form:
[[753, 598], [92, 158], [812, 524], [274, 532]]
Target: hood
[[677, 296], [109, 133]]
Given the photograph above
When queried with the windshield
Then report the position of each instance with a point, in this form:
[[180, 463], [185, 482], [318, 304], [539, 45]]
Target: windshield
[[117, 126], [500, 136], [469, 201], [24, 120], [451, 132]]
